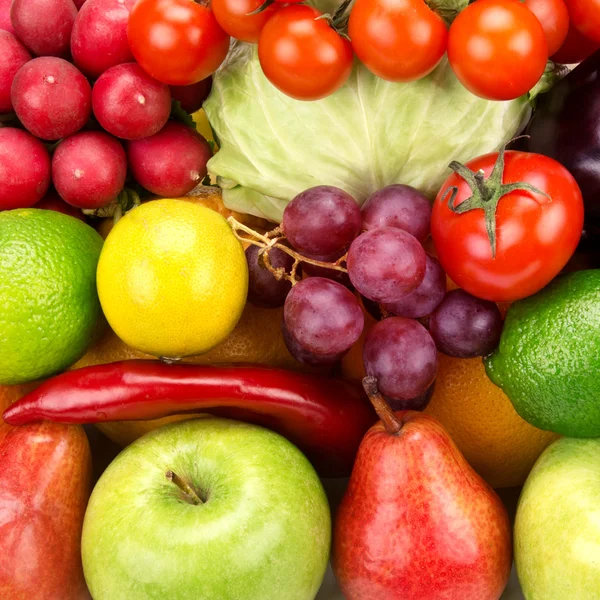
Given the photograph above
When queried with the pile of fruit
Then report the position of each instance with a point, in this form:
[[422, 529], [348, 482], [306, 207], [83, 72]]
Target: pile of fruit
[[227, 375]]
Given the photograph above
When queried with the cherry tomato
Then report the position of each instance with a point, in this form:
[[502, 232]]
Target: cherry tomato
[[585, 16], [575, 48], [398, 40], [535, 233], [554, 18], [302, 55], [177, 41], [497, 49], [235, 18]]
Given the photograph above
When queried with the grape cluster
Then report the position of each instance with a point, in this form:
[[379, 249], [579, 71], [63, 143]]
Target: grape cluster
[[82, 116], [388, 271]]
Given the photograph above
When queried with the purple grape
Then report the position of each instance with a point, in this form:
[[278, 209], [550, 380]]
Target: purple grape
[[428, 295], [24, 169], [99, 37], [89, 169], [386, 264], [51, 98], [169, 163], [306, 357], [321, 221], [401, 355], [129, 103], [419, 403], [322, 317], [464, 326], [44, 26], [14, 56], [400, 206], [192, 96], [263, 289]]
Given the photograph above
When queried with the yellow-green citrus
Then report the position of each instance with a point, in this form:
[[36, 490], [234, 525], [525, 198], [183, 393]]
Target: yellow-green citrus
[[172, 278], [49, 309]]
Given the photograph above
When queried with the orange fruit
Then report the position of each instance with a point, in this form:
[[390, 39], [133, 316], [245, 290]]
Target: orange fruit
[[494, 439]]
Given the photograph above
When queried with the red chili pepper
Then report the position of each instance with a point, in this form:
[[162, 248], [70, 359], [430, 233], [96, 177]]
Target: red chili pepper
[[326, 418]]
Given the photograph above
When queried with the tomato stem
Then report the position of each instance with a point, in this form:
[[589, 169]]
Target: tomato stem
[[486, 193]]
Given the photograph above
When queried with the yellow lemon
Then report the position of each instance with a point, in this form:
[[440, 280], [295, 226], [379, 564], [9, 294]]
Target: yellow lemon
[[172, 278]]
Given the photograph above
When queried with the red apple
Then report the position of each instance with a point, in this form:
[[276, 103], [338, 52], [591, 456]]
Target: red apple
[[416, 521], [45, 479]]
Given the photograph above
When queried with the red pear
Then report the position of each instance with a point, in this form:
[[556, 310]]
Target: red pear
[[45, 478], [417, 522]]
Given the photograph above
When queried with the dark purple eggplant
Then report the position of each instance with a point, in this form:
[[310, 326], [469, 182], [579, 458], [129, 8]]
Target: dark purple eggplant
[[566, 127]]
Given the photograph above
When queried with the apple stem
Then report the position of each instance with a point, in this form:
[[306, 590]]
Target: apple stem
[[382, 408], [184, 487]]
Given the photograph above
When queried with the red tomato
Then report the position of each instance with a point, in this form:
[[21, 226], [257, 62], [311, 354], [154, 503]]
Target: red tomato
[[554, 18], [576, 48], [535, 234], [302, 55], [497, 49], [585, 16], [398, 40], [235, 18], [177, 41]]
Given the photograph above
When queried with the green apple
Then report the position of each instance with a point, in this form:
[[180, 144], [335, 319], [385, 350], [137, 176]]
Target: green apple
[[557, 527], [207, 509]]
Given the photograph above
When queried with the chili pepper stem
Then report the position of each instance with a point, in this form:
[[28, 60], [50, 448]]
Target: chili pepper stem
[[382, 408], [188, 491]]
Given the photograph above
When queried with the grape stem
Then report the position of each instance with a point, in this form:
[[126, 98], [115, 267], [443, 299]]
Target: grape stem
[[382, 408], [273, 239]]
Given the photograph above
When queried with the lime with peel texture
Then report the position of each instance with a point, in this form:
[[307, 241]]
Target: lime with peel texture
[[548, 360], [49, 307]]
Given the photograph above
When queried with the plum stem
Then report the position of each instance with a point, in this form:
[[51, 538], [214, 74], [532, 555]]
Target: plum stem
[[382, 408], [272, 239], [188, 491]]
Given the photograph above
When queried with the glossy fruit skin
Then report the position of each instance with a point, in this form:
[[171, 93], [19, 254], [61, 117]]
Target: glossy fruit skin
[[585, 16], [129, 103], [536, 234], [24, 169], [414, 506], [554, 18], [5, 23], [178, 314], [44, 26], [51, 98], [499, 63], [14, 56], [564, 127], [575, 48], [99, 37], [322, 221], [52, 201], [235, 18], [177, 41], [399, 40], [465, 326], [556, 517], [45, 482], [152, 165], [256, 481], [303, 56], [89, 169]]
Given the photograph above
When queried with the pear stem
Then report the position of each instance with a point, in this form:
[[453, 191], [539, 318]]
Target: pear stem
[[184, 487], [382, 408]]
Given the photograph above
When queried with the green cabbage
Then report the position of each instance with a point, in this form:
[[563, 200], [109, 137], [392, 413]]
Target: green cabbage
[[369, 134]]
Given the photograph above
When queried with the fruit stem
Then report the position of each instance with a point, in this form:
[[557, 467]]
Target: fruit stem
[[184, 487], [382, 408], [272, 239]]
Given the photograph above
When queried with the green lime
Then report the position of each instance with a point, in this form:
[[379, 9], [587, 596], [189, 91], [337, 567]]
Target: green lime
[[548, 360], [49, 307]]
